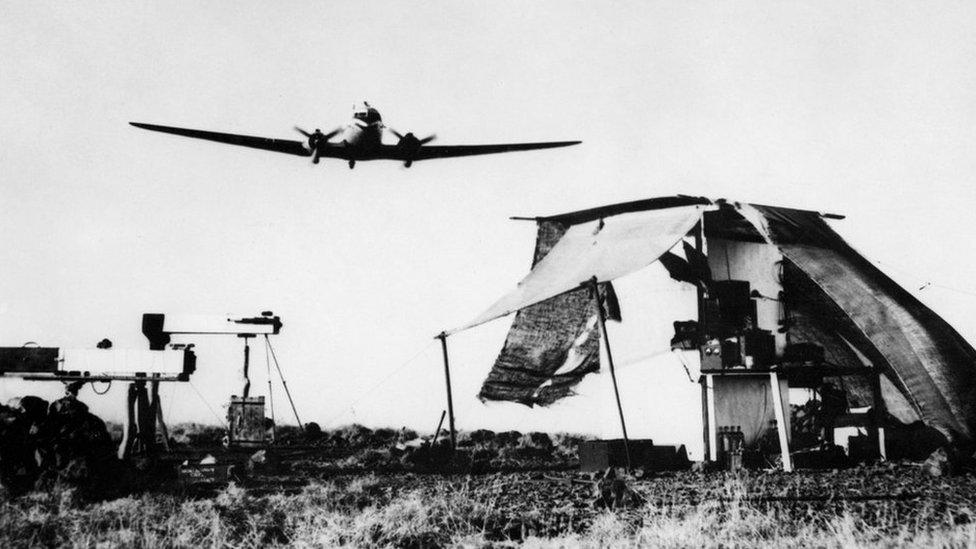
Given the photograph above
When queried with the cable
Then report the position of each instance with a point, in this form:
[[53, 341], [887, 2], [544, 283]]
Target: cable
[[641, 358], [681, 358], [957, 290], [219, 419], [169, 397], [107, 387], [926, 281], [382, 381]]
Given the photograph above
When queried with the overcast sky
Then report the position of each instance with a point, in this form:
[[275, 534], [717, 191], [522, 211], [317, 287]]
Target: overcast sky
[[865, 109]]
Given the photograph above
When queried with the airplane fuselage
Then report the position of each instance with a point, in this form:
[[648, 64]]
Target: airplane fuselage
[[362, 141], [362, 137]]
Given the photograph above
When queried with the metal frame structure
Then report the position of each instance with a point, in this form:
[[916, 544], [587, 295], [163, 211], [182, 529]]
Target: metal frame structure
[[796, 376], [144, 415]]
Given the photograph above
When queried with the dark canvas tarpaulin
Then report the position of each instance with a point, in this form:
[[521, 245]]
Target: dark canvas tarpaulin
[[921, 355], [551, 345], [925, 356], [815, 318]]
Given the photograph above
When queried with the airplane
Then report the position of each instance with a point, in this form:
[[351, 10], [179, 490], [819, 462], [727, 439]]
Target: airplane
[[360, 140]]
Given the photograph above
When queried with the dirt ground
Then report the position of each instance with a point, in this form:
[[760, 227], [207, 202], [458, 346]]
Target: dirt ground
[[359, 487]]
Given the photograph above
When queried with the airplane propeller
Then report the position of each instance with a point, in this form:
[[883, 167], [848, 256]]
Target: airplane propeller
[[315, 138], [410, 144]]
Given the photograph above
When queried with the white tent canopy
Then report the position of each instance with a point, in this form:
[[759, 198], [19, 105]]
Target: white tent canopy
[[606, 249]]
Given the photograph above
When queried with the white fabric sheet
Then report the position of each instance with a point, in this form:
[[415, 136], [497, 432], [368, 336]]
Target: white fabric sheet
[[607, 249]]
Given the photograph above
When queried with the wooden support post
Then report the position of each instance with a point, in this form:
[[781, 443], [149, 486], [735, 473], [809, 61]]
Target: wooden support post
[[708, 391], [878, 413], [139, 430], [710, 422], [145, 419], [704, 404], [595, 291], [158, 406], [784, 443], [699, 231], [129, 427], [450, 398]]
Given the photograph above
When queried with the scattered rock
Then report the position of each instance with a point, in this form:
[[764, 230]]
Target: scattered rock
[[481, 436], [611, 491], [508, 438], [539, 440], [939, 463]]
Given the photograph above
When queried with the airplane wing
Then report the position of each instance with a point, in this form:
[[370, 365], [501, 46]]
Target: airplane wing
[[266, 143], [427, 152]]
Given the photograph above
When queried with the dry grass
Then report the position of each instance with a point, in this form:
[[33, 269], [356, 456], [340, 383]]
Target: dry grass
[[426, 511]]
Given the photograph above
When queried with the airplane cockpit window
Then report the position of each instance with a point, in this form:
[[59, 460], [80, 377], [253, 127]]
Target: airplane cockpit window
[[368, 116]]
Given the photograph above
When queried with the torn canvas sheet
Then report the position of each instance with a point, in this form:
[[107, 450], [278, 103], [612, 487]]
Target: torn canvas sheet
[[551, 345], [549, 349]]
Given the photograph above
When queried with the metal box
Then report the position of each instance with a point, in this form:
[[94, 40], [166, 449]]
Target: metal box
[[711, 356], [246, 418], [761, 346], [29, 359], [212, 473]]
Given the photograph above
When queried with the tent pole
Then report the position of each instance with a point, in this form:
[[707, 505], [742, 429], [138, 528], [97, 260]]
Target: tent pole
[[784, 442], [878, 413], [450, 399], [699, 230], [613, 374], [711, 433]]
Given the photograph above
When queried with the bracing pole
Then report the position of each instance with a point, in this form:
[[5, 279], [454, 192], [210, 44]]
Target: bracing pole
[[450, 398], [267, 363], [437, 432], [594, 288], [283, 382]]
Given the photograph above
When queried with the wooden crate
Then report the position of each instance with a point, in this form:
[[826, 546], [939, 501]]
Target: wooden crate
[[246, 419]]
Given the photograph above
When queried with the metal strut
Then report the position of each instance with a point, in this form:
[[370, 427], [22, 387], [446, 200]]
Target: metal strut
[[267, 363], [283, 382]]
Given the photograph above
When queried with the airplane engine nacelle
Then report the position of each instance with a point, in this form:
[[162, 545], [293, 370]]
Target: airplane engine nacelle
[[409, 145]]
